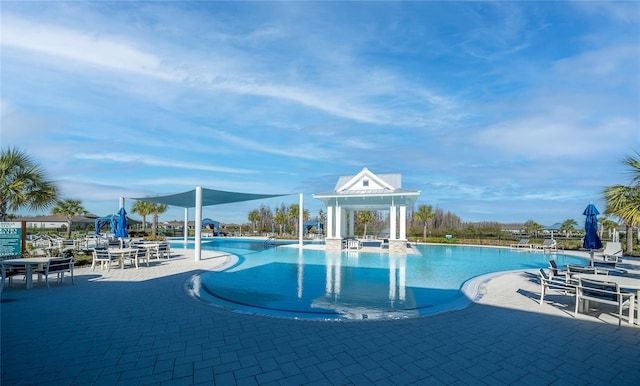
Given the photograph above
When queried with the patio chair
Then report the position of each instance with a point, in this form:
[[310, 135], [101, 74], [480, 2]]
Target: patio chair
[[58, 266], [557, 272], [139, 255], [523, 243], [604, 292], [9, 272], [164, 249], [384, 244], [551, 283], [103, 257]]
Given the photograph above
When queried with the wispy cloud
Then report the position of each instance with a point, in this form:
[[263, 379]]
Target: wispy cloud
[[159, 162], [80, 46]]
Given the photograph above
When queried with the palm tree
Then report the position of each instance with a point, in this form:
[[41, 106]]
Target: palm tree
[[424, 213], [68, 208], [606, 224], [156, 210], [280, 218], [23, 183], [568, 226], [532, 228], [144, 209], [254, 216], [365, 217], [624, 201], [294, 211]]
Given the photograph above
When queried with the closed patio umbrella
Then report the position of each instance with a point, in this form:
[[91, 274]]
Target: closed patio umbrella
[[121, 226], [591, 239], [114, 224]]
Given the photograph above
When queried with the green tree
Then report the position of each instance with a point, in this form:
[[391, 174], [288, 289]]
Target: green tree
[[568, 226], [23, 184], [68, 208], [158, 209], [608, 225], [293, 214], [424, 214], [254, 216], [365, 217], [280, 218], [144, 209], [532, 228], [624, 201]]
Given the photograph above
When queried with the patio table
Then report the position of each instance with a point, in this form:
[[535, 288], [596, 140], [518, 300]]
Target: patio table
[[625, 282], [152, 248], [121, 253], [27, 263]]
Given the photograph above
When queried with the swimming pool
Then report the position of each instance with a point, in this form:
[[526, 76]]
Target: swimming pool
[[314, 284]]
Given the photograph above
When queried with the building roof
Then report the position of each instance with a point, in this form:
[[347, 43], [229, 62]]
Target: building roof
[[367, 190], [55, 218]]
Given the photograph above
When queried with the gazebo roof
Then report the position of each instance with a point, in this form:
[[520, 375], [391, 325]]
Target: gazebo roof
[[367, 190]]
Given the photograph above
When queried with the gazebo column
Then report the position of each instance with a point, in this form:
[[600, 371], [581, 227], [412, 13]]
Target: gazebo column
[[397, 245], [339, 222], [333, 242], [392, 222], [352, 232], [403, 222]]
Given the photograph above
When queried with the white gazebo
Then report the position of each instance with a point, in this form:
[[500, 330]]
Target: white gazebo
[[367, 191]]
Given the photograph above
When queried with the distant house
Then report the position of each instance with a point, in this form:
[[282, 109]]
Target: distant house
[[57, 221]]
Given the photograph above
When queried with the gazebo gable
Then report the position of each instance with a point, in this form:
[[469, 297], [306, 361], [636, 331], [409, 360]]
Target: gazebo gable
[[363, 181]]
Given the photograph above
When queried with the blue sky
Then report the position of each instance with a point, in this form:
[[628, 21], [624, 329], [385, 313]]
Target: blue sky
[[495, 111]]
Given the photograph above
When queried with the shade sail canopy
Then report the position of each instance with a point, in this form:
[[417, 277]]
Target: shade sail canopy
[[311, 224], [209, 197], [211, 223]]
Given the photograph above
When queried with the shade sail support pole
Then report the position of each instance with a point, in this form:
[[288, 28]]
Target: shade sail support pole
[[198, 223], [186, 226], [300, 222]]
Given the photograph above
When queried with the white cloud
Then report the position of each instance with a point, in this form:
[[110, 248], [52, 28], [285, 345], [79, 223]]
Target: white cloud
[[154, 161], [81, 46]]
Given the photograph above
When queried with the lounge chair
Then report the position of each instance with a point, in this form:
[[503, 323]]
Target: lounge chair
[[523, 243], [548, 245], [612, 252], [604, 292]]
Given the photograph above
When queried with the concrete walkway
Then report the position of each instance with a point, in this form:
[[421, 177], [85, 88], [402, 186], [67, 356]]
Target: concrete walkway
[[139, 327]]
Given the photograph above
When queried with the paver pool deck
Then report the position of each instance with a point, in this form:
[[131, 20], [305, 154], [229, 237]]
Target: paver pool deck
[[139, 327]]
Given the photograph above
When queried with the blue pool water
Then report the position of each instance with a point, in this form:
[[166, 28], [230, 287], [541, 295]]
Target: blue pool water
[[314, 284]]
